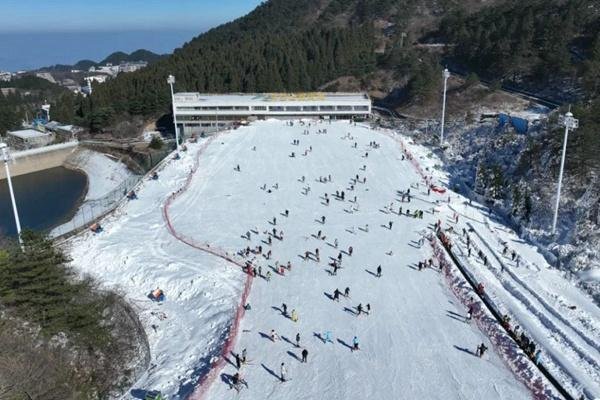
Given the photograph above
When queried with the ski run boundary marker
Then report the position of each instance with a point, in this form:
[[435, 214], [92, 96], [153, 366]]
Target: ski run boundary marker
[[217, 365]]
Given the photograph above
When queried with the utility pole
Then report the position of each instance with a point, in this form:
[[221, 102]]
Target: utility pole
[[6, 158], [569, 123], [445, 75], [171, 82]]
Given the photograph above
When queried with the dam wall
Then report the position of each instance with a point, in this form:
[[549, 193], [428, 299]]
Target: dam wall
[[33, 160]]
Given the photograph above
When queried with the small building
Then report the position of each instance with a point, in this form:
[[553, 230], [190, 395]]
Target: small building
[[29, 139], [5, 76], [132, 66]]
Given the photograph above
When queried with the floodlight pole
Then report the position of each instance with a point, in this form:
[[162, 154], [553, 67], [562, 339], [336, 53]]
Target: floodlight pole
[[171, 82], [570, 123], [445, 75], [6, 158]]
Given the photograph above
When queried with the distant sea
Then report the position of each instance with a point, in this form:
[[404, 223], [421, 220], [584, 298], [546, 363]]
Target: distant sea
[[25, 51]]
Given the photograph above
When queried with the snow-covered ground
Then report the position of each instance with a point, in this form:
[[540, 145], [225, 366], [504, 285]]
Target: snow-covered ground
[[540, 299], [105, 175], [413, 344]]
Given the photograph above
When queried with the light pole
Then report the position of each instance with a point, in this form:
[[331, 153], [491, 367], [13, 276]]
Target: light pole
[[6, 158], [570, 123], [171, 82], [445, 75]]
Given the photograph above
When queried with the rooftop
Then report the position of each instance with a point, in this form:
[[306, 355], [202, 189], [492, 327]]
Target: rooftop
[[269, 97], [28, 134]]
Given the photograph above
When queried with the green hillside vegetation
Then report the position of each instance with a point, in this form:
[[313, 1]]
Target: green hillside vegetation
[[30, 93], [97, 340]]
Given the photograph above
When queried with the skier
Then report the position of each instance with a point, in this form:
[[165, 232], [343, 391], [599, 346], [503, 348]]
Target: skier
[[336, 295], [359, 309], [538, 356], [294, 315], [368, 309], [268, 276], [355, 344], [283, 371], [236, 382], [390, 225], [379, 271], [481, 350], [347, 292], [238, 361], [350, 249], [244, 359], [284, 308], [327, 337], [298, 339], [469, 313], [304, 355], [274, 335], [323, 219], [335, 243]]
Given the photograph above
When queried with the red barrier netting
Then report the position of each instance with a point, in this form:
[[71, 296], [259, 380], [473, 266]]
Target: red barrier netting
[[216, 366]]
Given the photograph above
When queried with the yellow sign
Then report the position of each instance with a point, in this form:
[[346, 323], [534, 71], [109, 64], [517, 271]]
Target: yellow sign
[[307, 96]]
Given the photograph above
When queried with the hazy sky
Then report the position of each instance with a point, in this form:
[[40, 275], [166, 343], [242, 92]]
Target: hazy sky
[[118, 15], [36, 33]]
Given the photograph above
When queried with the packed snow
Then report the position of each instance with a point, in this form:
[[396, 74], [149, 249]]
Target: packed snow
[[415, 341]]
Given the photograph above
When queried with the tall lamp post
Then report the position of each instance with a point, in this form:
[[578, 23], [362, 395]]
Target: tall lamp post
[[171, 82], [6, 158], [445, 75], [569, 123]]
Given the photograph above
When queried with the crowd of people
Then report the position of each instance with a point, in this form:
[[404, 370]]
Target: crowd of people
[[256, 256]]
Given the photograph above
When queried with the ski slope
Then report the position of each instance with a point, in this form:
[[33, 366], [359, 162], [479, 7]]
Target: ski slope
[[560, 317], [413, 344]]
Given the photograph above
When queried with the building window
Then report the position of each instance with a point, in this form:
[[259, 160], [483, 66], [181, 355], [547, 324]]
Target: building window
[[259, 108], [310, 108], [276, 108], [361, 108], [327, 108], [293, 108], [344, 108]]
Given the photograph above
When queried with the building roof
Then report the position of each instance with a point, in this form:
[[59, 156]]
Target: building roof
[[28, 134], [239, 98]]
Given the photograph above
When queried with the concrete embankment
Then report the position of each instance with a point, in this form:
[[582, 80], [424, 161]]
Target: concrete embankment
[[33, 160]]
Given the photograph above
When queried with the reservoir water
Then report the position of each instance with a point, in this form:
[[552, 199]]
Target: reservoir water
[[44, 199]]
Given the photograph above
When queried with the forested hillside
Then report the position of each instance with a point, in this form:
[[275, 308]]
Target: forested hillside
[[24, 96]]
